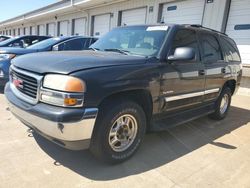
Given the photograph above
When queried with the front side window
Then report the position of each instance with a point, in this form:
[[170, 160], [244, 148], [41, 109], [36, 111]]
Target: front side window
[[185, 38], [230, 50], [210, 48], [135, 40], [76, 44]]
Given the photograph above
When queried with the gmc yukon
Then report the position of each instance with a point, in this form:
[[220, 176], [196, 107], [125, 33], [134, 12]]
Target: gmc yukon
[[133, 80]]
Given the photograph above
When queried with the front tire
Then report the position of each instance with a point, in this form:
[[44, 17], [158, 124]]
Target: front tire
[[118, 132], [222, 104]]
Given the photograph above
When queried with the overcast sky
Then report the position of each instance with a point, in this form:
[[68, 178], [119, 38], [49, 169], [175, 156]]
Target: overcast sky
[[12, 8]]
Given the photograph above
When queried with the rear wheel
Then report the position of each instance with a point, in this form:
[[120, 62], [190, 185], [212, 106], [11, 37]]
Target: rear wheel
[[118, 132], [222, 105]]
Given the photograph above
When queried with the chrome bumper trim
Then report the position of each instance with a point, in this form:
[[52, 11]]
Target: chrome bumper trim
[[74, 131]]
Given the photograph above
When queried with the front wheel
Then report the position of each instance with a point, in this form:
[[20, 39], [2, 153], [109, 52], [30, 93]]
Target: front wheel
[[118, 132], [222, 105]]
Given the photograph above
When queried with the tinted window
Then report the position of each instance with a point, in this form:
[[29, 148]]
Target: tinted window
[[76, 44], [211, 48], [230, 50], [185, 38]]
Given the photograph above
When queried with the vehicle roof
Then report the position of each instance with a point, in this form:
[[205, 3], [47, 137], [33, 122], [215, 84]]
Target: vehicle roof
[[194, 26]]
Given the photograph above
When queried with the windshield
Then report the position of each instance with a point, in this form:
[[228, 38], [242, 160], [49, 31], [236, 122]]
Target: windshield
[[44, 44], [134, 40]]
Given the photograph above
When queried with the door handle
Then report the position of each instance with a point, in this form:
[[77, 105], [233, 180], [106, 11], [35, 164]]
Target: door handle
[[201, 72], [223, 70]]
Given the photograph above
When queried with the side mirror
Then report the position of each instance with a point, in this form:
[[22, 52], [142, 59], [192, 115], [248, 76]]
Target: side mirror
[[182, 54], [55, 48]]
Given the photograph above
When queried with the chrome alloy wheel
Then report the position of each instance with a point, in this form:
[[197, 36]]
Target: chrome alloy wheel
[[123, 133], [224, 104]]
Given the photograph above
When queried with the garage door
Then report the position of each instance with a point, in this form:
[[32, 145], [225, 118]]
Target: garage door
[[33, 30], [183, 12], [21, 32], [80, 26], [238, 27], [64, 28], [51, 29], [41, 30], [101, 24], [27, 31], [133, 17]]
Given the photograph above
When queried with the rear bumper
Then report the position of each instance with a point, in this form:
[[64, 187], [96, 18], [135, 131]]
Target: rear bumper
[[70, 128]]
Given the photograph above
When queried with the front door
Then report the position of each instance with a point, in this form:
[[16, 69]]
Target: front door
[[183, 82]]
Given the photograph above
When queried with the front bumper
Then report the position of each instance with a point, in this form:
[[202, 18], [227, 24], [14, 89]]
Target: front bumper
[[70, 128]]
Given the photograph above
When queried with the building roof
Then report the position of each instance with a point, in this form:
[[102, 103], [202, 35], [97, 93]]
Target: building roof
[[54, 9]]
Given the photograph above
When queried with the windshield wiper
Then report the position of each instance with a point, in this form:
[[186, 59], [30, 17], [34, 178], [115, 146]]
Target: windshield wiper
[[94, 49], [125, 52]]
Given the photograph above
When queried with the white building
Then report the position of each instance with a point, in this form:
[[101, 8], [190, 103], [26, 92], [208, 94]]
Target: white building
[[96, 17]]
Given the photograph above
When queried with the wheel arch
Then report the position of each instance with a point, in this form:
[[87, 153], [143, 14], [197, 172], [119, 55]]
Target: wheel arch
[[142, 97], [231, 84]]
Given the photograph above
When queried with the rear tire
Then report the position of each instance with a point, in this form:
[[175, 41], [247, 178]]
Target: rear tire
[[222, 104], [118, 132]]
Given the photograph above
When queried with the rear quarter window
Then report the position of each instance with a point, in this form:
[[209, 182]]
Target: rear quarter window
[[230, 50], [210, 48]]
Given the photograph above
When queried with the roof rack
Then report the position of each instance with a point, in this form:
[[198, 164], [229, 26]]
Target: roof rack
[[200, 26]]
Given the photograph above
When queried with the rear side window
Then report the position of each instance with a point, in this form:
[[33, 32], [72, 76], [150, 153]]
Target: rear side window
[[210, 48], [185, 38], [230, 50]]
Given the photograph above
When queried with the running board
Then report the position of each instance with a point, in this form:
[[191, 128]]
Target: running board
[[181, 118]]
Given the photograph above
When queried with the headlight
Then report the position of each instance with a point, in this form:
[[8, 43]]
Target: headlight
[[7, 56], [62, 90]]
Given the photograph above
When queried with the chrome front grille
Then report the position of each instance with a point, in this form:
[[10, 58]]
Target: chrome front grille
[[28, 85], [25, 84]]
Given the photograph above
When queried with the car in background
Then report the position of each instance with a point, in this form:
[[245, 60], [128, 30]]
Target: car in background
[[4, 37], [71, 43], [23, 41]]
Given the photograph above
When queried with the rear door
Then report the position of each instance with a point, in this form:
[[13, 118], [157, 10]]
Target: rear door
[[183, 82], [215, 66]]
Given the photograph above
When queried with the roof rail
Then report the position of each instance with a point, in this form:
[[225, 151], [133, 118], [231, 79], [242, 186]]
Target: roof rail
[[200, 26]]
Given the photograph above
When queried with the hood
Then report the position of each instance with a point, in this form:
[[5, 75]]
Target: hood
[[17, 51], [67, 62]]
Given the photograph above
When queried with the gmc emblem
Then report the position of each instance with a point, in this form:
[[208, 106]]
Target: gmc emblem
[[17, 82]]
